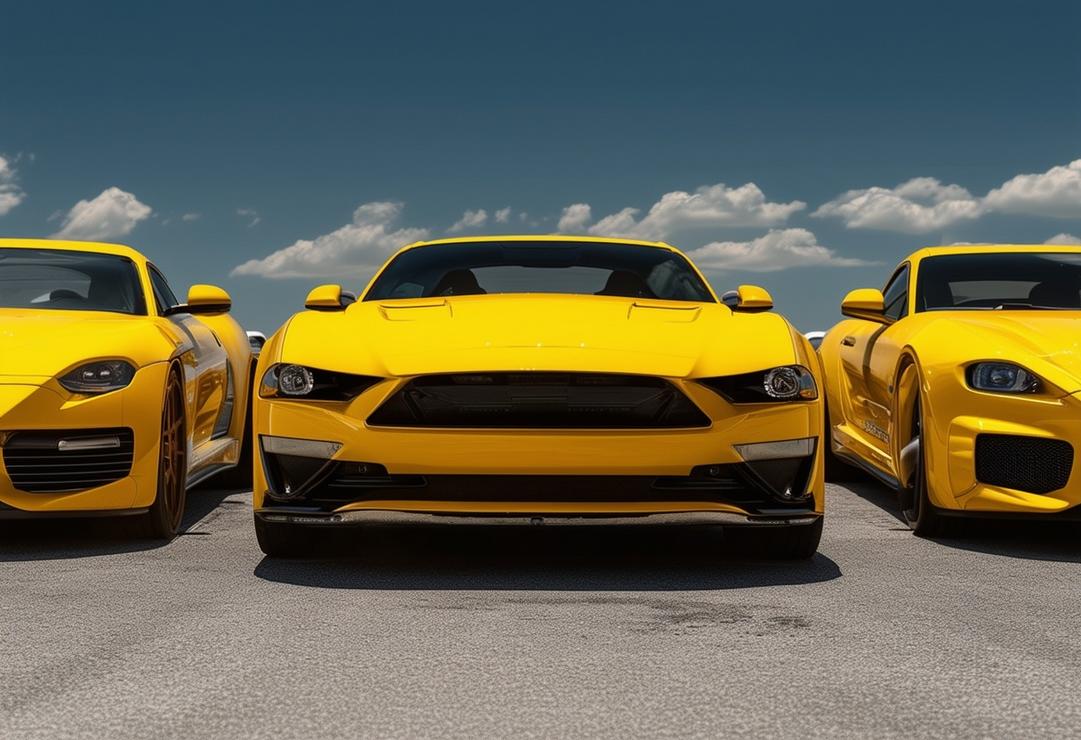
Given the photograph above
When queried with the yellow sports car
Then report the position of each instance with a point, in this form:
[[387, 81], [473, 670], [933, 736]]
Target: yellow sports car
[[959, 384], [536, 378], [114, 396]]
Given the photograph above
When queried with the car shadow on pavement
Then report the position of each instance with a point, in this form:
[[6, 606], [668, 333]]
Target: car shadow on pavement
[[1028, 539], [549, 557], [64, 538]]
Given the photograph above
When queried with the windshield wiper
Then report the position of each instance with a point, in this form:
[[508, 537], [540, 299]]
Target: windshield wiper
[[1029, 306]]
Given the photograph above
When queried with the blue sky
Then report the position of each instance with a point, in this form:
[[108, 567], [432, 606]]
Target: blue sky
[[769, 139]]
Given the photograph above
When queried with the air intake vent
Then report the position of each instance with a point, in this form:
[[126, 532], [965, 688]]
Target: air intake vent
[[539, 401], [65, 461], [1032, 464]]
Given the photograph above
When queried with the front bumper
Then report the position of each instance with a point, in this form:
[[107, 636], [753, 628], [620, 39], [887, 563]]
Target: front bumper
[[40, 405], [306, 517], [1005, 455], [525, 474]]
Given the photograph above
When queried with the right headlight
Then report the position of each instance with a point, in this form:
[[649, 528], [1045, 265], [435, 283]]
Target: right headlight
[[98, 377], [287, 380], [1002, 377], [776, 385]]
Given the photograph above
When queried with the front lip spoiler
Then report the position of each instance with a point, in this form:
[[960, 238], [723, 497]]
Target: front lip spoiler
[[306, 516]]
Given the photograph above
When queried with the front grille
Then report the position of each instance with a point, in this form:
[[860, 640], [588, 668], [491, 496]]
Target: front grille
[[346, 482], [1032, 464], [35, 463], [540, 400]]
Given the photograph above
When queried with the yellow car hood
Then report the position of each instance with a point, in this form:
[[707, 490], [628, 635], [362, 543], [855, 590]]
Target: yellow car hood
[[1046, 342], [37, 343], [538, 332]]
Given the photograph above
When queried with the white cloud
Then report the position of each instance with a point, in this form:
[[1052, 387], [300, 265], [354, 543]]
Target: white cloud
[[191, 217], [1055, 193], [112, 214], [11, 194], [779, 249], [709, 206], [917, 206], [1064, 239], [251, 214], [354, 250], [470, 220], [575, 219], [502, 216], [924, 204]]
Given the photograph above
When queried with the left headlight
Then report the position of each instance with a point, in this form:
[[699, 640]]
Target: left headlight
[[1002, 377], [99, 377], [778, 384], [287, 380]]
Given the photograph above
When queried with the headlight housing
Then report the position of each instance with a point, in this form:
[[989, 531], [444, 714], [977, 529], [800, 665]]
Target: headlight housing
[[1002, 377], [287, 380], [99, 377], [776, 385]]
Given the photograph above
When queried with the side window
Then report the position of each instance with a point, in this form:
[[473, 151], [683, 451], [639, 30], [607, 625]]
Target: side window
[[163, 294], [896, 294]]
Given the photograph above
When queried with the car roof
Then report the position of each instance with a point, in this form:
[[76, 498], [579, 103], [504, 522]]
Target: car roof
[[990, 249], [568, 238], [119, 250]]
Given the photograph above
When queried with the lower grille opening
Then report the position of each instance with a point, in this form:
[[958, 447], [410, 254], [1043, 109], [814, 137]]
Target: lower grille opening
[[541, 400], [1030, 464], [347, 482], [37, 462]]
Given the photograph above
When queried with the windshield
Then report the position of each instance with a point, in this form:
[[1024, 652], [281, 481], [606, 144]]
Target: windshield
[[68, 280], [1010, 280], [583, 268]]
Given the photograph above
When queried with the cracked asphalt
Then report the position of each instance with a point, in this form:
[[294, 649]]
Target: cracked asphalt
[[540, 631]]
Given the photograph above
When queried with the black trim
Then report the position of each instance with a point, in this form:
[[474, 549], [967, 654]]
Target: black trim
[[539, 400], [34, 463], [340, 483]]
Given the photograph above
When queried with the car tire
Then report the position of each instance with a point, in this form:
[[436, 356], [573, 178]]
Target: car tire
[[162, 521], [921, 516], [284, 540]]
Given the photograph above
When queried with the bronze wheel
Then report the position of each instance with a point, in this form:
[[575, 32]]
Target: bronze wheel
[[166, 513]]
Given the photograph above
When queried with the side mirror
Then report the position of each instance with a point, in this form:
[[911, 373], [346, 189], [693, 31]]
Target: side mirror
[[867, 304], [748, 298], [207, 299], [328, 298]]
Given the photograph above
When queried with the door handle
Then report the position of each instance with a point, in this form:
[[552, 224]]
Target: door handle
[[849, 341]]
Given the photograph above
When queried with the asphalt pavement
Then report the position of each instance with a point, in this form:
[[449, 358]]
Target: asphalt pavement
[[540, 631]]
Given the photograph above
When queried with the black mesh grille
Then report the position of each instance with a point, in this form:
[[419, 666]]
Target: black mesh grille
[[539, 401], [1031, 464], [36, 464], [732, 484]]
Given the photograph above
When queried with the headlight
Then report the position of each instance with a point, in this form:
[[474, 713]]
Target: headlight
[[301, 382], [1002, 377], [779, 384], [99, 377]]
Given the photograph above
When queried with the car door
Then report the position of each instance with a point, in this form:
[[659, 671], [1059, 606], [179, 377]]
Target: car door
[[869, 354], [205, 366]]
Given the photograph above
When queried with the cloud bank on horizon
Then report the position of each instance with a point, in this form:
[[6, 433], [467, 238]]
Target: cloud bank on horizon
[[919, 205], [923, 204]]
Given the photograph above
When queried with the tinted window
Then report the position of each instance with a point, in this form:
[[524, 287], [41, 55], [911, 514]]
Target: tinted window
[[896, 294], [68, 280], [627, 270], [1011, 280], [163, 294]]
